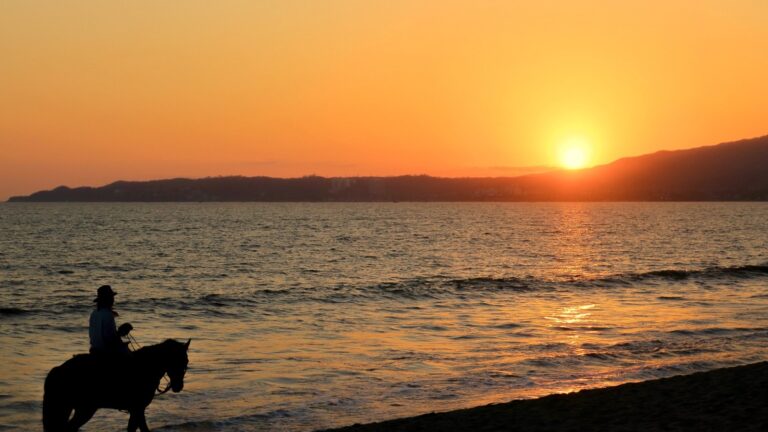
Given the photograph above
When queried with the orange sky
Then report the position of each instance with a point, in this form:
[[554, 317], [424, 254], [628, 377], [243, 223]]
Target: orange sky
[[95, 91]]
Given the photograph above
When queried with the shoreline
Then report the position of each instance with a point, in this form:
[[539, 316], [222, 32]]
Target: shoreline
[[727, 399]]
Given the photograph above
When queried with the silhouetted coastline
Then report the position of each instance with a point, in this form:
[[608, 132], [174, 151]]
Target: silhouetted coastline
[[729, 399], [725, 172]]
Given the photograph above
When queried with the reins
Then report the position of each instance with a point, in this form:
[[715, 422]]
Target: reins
[[135, 347], [165, 390]]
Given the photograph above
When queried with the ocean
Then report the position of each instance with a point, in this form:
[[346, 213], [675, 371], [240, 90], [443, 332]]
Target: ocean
[[312, 315]]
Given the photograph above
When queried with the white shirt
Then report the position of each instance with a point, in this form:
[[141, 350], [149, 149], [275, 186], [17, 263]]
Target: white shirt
[[103, 331]]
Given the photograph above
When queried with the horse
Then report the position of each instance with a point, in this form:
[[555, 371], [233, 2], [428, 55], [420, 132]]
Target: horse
[[128, 382]]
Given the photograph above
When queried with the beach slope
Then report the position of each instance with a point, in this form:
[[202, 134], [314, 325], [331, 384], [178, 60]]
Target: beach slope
[[730, 399]]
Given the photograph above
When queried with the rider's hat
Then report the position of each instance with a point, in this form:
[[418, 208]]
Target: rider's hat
[[104, 292]]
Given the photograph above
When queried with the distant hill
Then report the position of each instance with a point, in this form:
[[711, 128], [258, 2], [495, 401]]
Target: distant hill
[[736, 171]]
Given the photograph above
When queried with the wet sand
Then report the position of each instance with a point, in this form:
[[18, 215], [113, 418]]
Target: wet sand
[[730, 399]]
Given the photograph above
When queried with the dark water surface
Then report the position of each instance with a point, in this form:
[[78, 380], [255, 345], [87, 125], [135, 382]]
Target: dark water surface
[[313, 315]]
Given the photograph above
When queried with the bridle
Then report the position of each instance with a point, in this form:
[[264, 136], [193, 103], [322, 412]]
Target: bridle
[[168, 384], [135, 346], [165, 390]]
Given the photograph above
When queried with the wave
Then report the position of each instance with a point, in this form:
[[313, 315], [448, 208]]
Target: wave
[[475, 289], [672, 347], [431, 287], [440, 287], [12, 311], [263, 419], [745, 271]]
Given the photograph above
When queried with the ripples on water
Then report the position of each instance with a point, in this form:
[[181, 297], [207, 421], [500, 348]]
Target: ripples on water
[[313, 315]]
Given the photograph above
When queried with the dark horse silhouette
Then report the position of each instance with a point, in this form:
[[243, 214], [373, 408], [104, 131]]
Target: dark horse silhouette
[[87, 382]]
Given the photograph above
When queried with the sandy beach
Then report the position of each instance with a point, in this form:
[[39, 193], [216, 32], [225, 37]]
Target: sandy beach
[[729, 399]]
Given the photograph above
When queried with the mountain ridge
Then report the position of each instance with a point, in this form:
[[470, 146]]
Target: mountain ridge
[[732, 171]]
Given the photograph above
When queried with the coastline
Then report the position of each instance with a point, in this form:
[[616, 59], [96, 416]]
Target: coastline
[[727, 399]]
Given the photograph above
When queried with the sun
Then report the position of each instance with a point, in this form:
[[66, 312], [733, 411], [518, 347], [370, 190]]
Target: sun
[[574, 153]]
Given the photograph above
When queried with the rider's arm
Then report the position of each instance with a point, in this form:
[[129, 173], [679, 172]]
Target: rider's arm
[[109, 330]]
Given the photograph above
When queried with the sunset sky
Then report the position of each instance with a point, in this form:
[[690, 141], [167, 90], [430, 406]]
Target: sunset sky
[[96, 91]]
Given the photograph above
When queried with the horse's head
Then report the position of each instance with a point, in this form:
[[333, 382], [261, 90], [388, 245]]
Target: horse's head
[[177, 364]]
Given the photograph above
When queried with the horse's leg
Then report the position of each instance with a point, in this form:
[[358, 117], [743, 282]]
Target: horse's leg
[[133, 422], [82, 415], [143, 423], [137, 419]]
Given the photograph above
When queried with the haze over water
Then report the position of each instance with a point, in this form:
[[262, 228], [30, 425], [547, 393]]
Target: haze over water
[[305, 316]]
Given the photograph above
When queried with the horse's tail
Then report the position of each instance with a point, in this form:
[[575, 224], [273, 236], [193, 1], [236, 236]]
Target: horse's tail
[[55, 409]]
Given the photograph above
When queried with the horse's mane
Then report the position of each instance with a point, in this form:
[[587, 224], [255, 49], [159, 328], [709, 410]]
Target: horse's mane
[[164, 346]]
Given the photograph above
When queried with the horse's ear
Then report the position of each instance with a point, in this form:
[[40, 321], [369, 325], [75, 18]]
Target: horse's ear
[[186, 345]]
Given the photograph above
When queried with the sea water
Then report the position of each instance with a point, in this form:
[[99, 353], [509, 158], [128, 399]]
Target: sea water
[[305, 316]]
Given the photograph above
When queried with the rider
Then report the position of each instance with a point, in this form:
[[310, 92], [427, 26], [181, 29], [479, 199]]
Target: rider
[[105, 338]]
